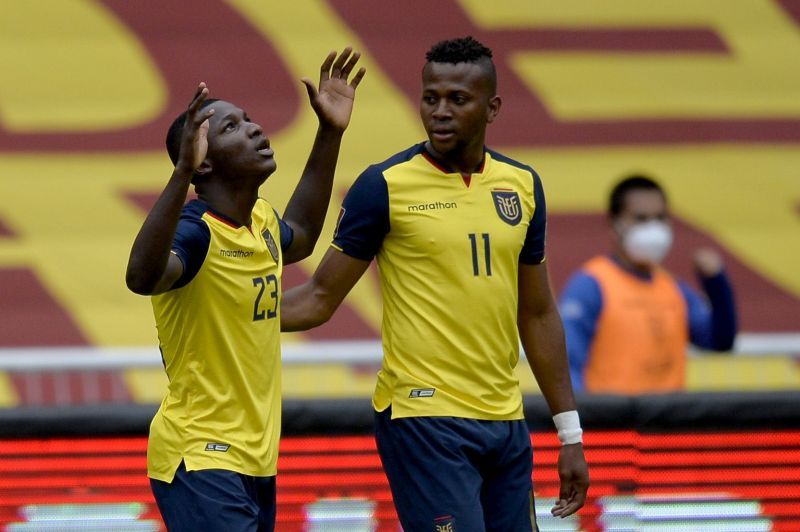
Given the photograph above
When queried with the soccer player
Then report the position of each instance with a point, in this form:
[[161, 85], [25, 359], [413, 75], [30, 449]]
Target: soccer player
[[458, 231], [213, 269], [628, 321]]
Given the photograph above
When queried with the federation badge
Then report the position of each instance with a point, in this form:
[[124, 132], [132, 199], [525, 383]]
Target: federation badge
[[506, 202], [271, 245], [444, 523]]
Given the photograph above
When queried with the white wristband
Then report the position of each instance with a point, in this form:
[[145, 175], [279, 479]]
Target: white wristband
[[569, 429]]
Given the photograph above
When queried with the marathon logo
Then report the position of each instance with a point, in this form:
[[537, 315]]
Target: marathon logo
[[235, 253], [433, 206]]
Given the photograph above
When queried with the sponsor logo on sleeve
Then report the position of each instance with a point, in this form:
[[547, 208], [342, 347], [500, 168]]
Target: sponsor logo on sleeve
[[421, 392], [218, 447]]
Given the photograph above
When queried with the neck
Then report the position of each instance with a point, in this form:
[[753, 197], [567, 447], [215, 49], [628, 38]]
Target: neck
[[466, 161], [233, 203]]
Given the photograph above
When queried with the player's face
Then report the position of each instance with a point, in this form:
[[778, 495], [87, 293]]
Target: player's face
[[457, 104], [237, 146]]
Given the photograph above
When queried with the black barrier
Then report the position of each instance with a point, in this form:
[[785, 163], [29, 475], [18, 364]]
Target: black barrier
[[694, 412]]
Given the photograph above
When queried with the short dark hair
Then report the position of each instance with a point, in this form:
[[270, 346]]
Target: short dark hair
[[175, 132], [463, 50], [616, 201]]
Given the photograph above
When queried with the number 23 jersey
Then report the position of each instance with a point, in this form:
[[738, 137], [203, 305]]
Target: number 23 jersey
[[219, 334], [448, 250]]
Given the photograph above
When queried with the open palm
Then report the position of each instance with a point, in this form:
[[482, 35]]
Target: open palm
[[333, 101]]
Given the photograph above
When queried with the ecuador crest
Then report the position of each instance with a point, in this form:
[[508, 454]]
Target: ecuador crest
[[506, 203], [271, 245]]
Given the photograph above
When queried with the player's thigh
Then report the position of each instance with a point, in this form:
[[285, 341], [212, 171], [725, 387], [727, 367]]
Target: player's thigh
[[209, 500], [435, 484], [507, 494]]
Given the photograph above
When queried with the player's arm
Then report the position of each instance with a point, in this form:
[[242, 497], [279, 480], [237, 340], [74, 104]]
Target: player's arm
[[333, 104], [542, 337], [314, 302], [152, 269]]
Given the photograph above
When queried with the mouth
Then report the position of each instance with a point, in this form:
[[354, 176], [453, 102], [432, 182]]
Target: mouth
[[442, 134], [263, 148]]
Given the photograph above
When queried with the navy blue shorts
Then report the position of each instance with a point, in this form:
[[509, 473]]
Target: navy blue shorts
[[216, 500], [456, 474]]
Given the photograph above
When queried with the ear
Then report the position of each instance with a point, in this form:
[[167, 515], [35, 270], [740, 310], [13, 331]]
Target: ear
[[493, 109]]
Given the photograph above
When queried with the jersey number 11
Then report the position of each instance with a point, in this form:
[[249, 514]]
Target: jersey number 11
[[487, 254]]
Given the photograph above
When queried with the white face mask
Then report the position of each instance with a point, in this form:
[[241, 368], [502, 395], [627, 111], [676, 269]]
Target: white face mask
[[648, 242]]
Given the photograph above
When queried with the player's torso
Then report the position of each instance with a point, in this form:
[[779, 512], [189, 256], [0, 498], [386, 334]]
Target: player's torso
[[449, 268], [219, 336], [461, 238]]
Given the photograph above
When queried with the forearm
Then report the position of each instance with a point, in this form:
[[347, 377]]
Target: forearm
[[303, 307], [309, 203], [542, 337], [151, 248]]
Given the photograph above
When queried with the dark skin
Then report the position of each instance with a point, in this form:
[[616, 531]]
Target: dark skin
[[230, 158], [458, 102]]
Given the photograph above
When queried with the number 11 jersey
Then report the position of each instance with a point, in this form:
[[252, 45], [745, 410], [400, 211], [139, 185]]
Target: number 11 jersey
[[448, 249]]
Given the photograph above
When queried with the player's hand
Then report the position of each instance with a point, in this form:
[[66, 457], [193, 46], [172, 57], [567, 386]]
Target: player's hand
[[708, 262], [194, 143], [574, 475], [333, 101]]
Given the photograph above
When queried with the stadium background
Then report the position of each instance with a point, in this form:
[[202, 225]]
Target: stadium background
[[703, 95]]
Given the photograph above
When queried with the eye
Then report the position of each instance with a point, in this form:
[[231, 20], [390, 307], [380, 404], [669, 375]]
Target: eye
[[430, 100], [459, 100], [230, 126]]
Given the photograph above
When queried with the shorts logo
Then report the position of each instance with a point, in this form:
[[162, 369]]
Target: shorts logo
[[422, 392], [445, 523], [219, 447], [506, 202], [271, 245]]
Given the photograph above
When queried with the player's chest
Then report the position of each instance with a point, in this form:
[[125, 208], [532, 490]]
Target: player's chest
[[443, 213], [243, 253]]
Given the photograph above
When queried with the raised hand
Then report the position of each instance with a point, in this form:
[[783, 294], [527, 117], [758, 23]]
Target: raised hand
[[194, 142], [333, 101]]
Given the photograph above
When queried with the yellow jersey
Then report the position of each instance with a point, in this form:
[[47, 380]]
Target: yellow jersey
[[219, 333], [448, 249]]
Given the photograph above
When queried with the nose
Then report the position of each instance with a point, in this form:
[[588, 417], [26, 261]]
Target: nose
[[441, 110], [255, 130]]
